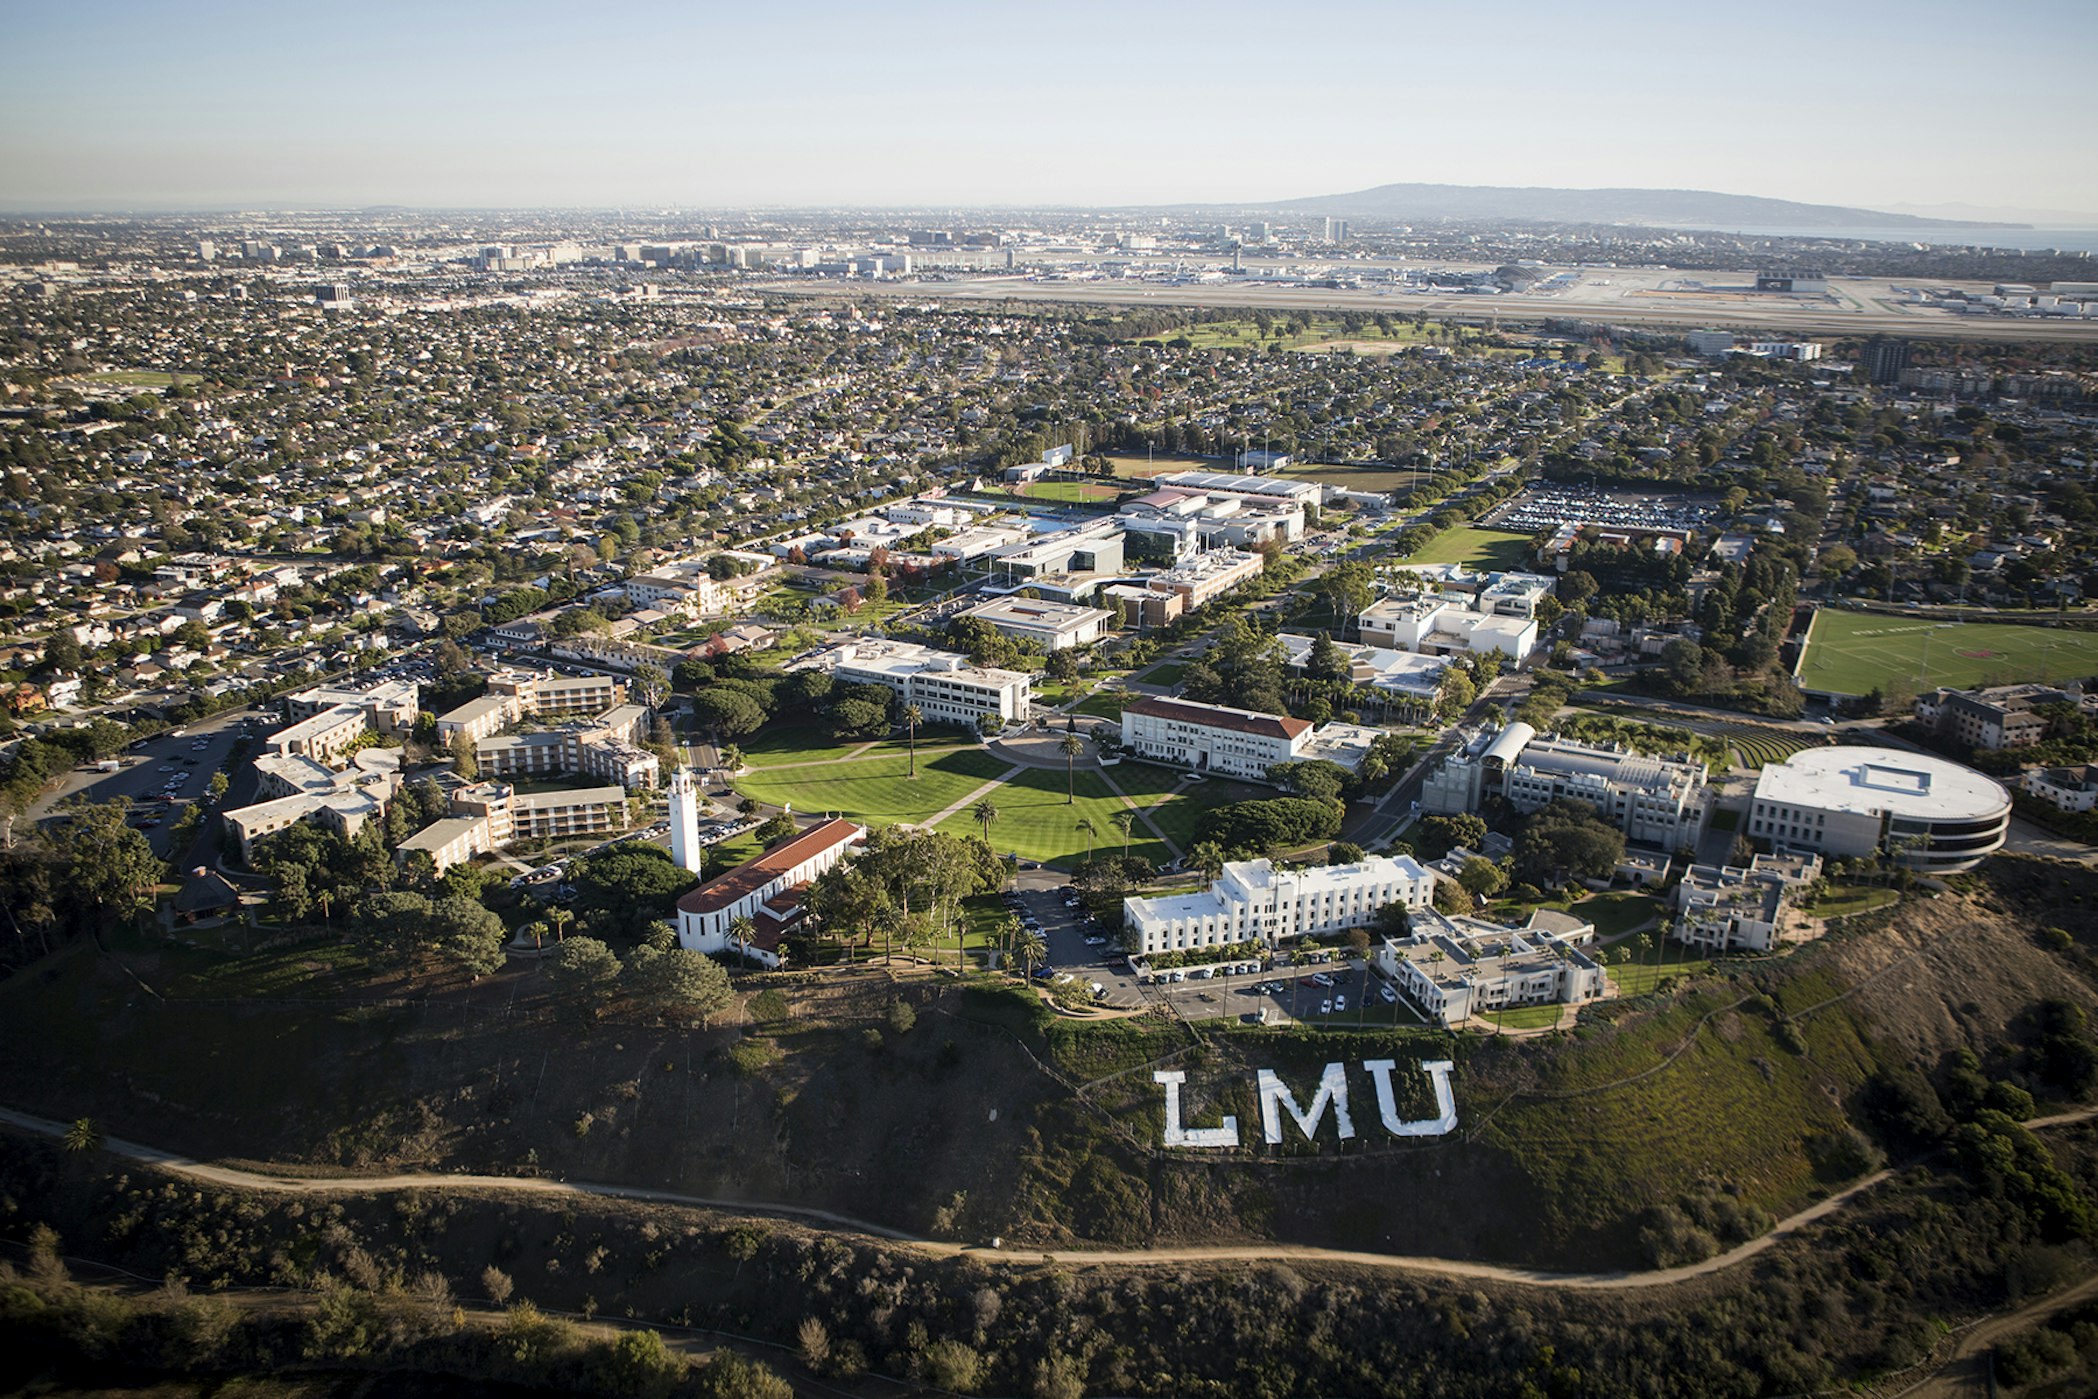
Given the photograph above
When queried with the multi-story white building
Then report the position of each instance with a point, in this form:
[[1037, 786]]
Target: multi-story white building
[[389, 708], [1654, 801], [1204, 578], [1252, 901], [944, 686], [1455, 968], [297, 788], [767, 890], [2002, 716], [1930, 814], [604, 748], [1212, 737], [1722, 908], [1053, 626], [326, 737], [1438, 625], [488, 815], [2071, 789]]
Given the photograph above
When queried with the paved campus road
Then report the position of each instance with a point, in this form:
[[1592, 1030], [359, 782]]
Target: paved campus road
[[234, 1178]]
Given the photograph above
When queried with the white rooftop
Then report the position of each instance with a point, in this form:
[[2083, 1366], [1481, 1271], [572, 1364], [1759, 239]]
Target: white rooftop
[[1874, 780]]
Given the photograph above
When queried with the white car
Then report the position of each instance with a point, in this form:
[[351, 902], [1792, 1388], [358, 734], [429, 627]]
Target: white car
[[1340, 1002], [1325, 1007], [1321, 979]]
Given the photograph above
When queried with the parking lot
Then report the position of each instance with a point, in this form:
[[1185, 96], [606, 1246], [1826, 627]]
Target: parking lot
[[1065, 929], [1336, 993], [159, 776]]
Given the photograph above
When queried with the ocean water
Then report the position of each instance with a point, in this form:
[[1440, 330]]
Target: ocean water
[[2068, 240]]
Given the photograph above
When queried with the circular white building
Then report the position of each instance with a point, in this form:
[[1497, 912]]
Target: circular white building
[[1931, 814]]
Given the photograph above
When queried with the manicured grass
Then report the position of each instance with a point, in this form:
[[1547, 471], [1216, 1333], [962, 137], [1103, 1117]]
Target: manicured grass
[[1035, 822], [1158, 464], [1851, 898], [1073, 492], [1853, 653], [1174, 808], [1103, 704], [812, 743], [1636, 978], [876, 788], [1476, 549], [1618, 912], [1526, 1017], [1164, 673], [1759, 745]]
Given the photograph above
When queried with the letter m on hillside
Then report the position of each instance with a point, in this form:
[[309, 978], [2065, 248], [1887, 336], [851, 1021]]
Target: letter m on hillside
[[1275, 1099]]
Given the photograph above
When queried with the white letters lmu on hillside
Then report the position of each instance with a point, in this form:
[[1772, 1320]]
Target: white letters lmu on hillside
[[1276, 1099]]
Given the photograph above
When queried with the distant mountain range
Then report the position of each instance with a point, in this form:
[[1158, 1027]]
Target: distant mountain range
[[1673, 208]]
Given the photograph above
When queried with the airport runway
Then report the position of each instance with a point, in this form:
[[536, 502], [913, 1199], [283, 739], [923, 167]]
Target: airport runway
[[1639, 300]]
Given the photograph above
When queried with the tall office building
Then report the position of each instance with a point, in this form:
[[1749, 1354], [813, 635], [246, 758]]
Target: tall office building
[[1883, 359], [1336, 230]]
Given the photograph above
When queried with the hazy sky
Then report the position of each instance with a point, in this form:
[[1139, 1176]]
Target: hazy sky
[[191, 103]]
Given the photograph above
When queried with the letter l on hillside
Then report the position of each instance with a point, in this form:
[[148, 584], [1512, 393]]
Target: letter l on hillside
[[1177, 1135]]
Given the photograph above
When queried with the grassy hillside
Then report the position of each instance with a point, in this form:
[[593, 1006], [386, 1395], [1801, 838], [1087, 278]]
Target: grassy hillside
[[1710, 1102]]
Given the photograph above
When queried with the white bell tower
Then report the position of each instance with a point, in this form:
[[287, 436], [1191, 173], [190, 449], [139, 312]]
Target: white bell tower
[[684, 821]]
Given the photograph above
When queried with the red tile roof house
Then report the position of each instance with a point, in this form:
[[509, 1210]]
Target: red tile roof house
[[767, 890]]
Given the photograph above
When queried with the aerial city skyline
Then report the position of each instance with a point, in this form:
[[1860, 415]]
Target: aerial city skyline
[[1369, 701]]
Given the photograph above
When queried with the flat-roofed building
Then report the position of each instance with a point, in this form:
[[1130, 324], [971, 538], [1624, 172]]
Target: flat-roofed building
[[1724, 908], [1094, 548], [766, 890], [1455, 968], [2066, 788], [1662, 802], [477, 718], [1438, 625], [326, 737], [390, 707], [2001, 716], [604, 747], [1053, 626], [1927, 813], [1204, 578], [1252, 901], [944, 686]]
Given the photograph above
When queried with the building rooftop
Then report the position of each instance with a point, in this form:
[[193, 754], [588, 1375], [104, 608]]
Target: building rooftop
[[726, 890], [1871, 781], [1217, 716]]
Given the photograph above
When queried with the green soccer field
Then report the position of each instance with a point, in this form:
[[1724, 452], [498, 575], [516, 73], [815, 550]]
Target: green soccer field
[[1853, 653]]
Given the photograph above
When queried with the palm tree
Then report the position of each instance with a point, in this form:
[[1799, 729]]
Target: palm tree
[[731, 756], [740, 932], [912, 717], [1031, 951], [1071, 747], [985, 812], [1125, 822], [559, 917], [1207, 859], [1007, 931], [1085, 823], [83, 1136]]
